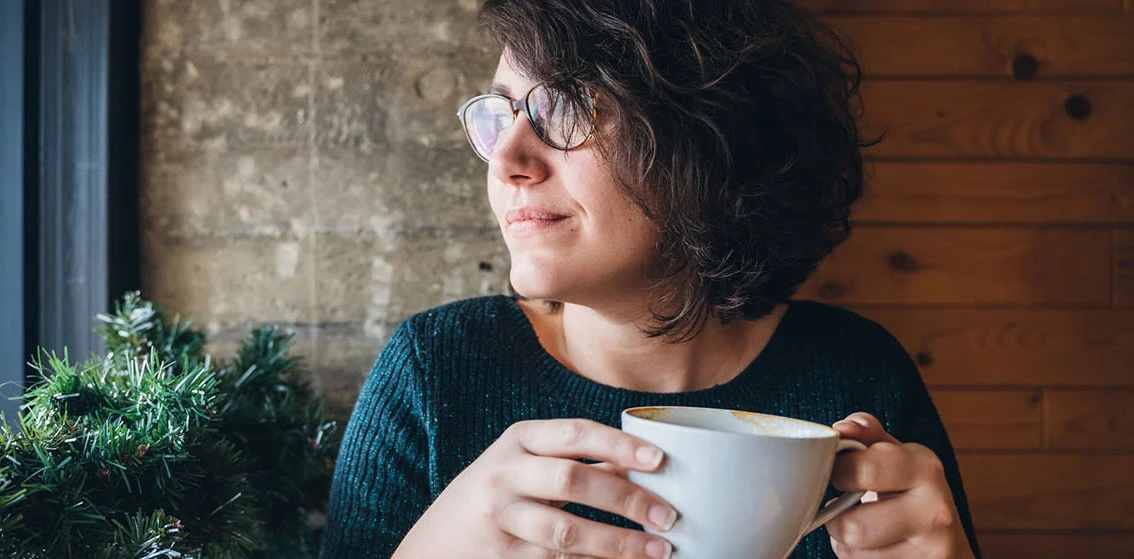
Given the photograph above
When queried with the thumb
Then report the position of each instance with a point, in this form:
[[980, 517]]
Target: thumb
[[864, 428]]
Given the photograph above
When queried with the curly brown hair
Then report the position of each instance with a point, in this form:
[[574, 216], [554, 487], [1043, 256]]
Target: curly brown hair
[[731, 123]]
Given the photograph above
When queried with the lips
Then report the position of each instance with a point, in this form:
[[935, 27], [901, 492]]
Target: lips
[[527, 222], [531, 214]]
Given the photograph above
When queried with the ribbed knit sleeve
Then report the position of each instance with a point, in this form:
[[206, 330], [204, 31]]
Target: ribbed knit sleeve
[[381, 483]]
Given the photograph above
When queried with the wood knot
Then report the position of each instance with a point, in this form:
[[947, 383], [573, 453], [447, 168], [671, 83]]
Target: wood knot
[[901, 261], [924, 358], [1025, 67], [1078, 106]]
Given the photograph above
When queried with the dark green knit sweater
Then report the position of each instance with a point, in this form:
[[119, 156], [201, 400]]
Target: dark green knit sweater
[[452, 379]]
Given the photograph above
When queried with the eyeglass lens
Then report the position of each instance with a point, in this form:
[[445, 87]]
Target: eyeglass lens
[[554, 120]]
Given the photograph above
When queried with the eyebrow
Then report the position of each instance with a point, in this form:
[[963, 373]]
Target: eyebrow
[[500, 89]]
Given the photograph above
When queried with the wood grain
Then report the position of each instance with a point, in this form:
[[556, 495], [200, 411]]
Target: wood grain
[[1001, 192], [1015, 347], [1060, 46], [984, 419], [1035, 491], [1124, 268], [1091, 420], [995, 545], [1004, 119], [963, 6], [882, 265], [995, 240]]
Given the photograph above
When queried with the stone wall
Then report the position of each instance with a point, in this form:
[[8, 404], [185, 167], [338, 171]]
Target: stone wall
[[303, 165]]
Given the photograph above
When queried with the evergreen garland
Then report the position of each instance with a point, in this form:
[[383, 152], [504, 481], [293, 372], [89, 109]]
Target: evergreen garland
[[155, 451]]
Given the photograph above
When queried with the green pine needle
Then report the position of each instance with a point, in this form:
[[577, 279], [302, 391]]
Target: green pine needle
[[155, 451]]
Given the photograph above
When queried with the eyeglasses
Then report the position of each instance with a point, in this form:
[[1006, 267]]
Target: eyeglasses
[[557, 122]]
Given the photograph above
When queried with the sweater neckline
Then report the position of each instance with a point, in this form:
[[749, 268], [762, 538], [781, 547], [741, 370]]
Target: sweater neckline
[[572, 382]]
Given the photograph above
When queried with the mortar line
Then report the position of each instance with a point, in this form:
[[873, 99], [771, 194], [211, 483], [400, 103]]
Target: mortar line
[[312, 165]]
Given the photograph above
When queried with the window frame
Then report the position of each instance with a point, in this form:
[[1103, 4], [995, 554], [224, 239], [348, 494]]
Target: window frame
[[70, 169]]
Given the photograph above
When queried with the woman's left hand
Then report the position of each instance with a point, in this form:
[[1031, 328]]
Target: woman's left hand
[[908, 510]]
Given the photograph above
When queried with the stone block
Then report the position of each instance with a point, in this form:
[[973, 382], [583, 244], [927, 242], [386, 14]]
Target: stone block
[[258, 192], [383, 281], [373, 103], [258, 27], [404, 26], [195, 102], [303, 166], [230, 280], [399, 192]]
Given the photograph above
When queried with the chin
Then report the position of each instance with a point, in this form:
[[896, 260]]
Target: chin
[[537, 282]]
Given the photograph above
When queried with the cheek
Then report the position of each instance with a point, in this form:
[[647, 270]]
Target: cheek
[[625, 226], [495, 198]]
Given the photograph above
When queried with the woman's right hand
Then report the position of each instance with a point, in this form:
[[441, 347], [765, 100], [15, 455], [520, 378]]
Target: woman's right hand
[[508, 503]]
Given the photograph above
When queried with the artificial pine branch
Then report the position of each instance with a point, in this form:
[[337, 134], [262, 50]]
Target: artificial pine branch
[[154, 451], [272, 414], [138, 327]]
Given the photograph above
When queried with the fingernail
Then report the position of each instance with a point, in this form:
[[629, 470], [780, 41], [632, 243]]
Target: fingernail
[[649, 456], [845, 423], [659, 549], [858, 419], [663, 517]]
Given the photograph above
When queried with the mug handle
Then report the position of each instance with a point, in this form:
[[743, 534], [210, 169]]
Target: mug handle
[[846, 500]]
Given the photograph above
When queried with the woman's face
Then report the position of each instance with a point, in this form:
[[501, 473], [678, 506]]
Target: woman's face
[[572, 233]]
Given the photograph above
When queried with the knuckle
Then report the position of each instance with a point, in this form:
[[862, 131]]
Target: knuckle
[[852, 532], [932, 468], [564, 534], [566, 479], [513, 548], [888, 450], [620, 547], [941, 517], [624, 448], [634, 504], [867, 473], [501, 515], [496, 479], [878, 468], [516, 429], [571, 432]]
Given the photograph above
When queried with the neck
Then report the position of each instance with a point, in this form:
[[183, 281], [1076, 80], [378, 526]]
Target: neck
[[610, 347]]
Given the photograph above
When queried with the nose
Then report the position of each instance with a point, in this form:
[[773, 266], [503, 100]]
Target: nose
[[520, 156]]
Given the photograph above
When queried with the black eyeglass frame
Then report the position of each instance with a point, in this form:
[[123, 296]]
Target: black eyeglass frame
[[518, 106]]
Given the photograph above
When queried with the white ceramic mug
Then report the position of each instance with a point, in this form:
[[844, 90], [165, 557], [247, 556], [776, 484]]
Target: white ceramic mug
[[745, 485]]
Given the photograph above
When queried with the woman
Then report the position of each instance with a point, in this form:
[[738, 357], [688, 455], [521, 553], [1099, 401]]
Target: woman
[[665, 174]]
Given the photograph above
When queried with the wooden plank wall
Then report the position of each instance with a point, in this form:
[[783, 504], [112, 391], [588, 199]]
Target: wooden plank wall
[[997, 243]]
